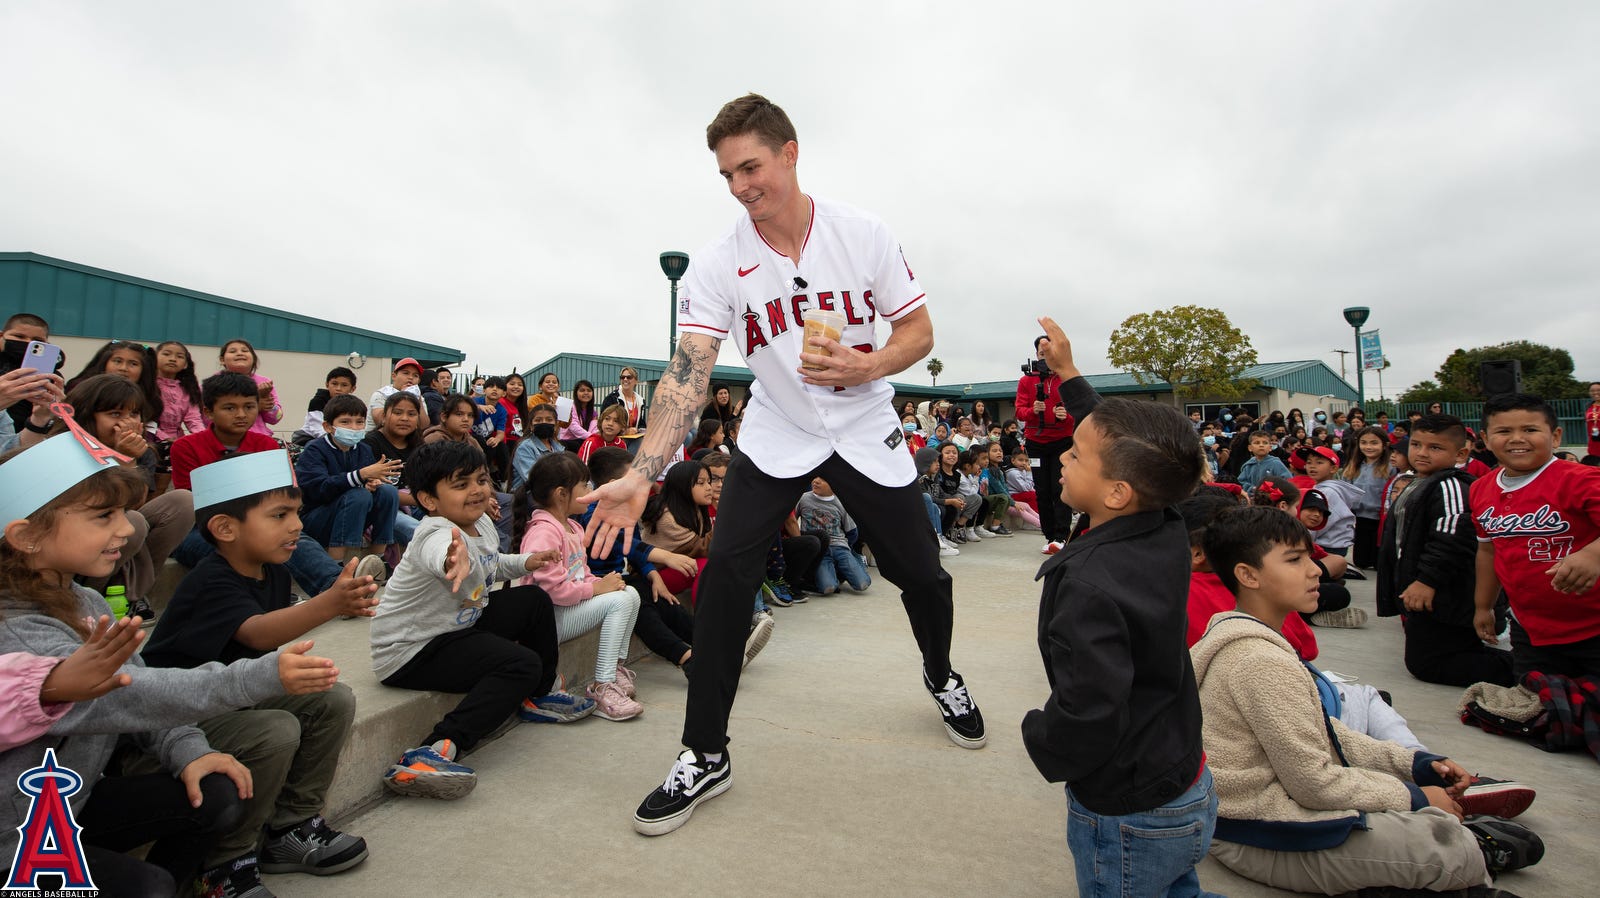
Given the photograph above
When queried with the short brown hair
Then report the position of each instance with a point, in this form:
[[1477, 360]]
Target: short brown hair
[[751, 114], [1150, 446]]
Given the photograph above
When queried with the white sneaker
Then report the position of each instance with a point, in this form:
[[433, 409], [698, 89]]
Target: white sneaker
[[982, 533], [948, 551]]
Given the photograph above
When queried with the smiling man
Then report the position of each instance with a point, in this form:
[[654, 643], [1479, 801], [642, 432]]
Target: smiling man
[[788, 253]]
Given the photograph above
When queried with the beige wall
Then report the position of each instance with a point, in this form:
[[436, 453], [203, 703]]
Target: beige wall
[[295, 375]]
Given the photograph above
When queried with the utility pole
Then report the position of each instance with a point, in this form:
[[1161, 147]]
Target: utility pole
[[1342, 353]]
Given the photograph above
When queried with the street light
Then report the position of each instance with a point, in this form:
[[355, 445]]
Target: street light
[[1356, 316], [673, 265]]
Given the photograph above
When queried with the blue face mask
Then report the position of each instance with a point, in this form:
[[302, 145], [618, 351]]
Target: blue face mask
[[1227, 417], [348, 438], [1210, 441], [909, 427]]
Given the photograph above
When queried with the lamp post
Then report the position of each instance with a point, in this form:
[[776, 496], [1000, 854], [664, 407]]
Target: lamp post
[[1356, 316], [673, 265]]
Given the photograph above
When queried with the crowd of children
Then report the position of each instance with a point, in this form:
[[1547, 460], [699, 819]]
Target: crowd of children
[[468, 512]]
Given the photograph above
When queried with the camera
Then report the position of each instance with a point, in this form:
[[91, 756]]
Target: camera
[[1036, 367]]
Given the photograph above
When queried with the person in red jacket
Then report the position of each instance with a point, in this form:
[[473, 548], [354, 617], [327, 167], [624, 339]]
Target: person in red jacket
[[1047, 429], [1591, 419]]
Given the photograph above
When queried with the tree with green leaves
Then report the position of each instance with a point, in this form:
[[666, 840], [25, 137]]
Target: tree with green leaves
[[1546, 372], [935, 368], [1196, 350]]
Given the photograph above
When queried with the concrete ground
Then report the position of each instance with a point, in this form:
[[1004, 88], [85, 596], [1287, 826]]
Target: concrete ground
[[845, 783]]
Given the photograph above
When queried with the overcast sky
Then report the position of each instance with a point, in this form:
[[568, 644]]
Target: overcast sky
[[500, 176]]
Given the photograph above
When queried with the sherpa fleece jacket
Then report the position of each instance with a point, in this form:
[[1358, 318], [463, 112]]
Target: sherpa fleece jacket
[[1288, 777]]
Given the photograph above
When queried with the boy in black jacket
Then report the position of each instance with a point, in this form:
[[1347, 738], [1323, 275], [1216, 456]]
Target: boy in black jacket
[[1425, 563], [1122, 726]]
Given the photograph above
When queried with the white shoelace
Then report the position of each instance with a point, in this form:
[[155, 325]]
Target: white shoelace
[[957, 700], [682, 775]]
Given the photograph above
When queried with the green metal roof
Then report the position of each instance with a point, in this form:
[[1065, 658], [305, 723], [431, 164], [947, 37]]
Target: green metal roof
[[81, 301]]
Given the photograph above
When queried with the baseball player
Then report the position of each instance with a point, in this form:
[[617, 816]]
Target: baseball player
[[790, 252]]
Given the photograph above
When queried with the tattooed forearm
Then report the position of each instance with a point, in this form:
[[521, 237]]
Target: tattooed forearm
[[676, 404]]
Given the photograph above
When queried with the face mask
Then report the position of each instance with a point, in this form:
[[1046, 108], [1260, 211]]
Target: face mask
[[544, 431], [909, 427], [348, 438], [477, 389], [1210, 441], [1227, 417], [1322, 417], [1337, 446]]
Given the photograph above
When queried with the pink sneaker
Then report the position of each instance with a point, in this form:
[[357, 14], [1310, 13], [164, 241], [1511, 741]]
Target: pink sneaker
[[625, 679], [612, 703]]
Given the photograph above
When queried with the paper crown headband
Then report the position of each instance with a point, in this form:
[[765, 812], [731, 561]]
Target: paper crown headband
[[42, 472], [240, 476]]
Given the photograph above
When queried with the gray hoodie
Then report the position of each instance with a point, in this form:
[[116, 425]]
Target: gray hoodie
[[155, 710], [418, 604]]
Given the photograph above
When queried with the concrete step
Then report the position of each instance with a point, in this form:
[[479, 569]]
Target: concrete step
[[388, 720]]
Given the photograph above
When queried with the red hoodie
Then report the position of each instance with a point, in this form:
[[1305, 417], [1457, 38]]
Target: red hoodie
[[1207, 597]]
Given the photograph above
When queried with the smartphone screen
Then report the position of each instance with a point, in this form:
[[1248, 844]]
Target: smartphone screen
[[41, 357]]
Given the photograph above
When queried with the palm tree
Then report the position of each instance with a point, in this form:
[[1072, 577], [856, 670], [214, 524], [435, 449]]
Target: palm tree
[[935, 368]]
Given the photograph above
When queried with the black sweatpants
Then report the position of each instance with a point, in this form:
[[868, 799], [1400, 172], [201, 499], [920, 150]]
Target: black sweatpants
[[510, 654], [753, 506], [800, 554], [1570, 659], [1364, 551], [1055, 516], [1452, 654], [663, 627], [125, 812]]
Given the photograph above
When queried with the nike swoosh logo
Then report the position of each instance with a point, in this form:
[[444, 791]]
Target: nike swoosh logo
[[745, 271]]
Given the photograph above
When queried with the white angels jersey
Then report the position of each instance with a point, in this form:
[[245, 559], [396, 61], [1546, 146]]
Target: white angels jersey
[[741, 290]]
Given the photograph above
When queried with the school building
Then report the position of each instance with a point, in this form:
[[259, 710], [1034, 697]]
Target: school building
[[1282, 385], [88, 306]]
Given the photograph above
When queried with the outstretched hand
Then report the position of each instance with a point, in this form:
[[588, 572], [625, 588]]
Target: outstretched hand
[[618, 507], [458, 561], [94, 669]]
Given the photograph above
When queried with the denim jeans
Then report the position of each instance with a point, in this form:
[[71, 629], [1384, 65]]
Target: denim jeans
[[839, 562], [935, 517], [1150, 853], [344, 521], [310, 565], [405, 526]]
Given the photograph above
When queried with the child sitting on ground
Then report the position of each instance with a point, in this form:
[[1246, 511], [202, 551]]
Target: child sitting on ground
[[340, 382], [613, 420], [1333, 601], [438, 629], [1426, 560], [1537, 520], [821, 512], [663, 624], [1122, 725], [1262, 463], [1019, 481], [975, 505], [544, 506], [1305, 803], [345, 486], [1339, 530], [994, 480], [62, 503], [237, 604]]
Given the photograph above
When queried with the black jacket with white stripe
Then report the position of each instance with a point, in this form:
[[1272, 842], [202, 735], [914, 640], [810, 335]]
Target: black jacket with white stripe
[[1438, 547]]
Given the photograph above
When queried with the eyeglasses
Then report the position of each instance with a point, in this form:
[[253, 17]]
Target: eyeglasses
[[715, 479], [625, 377]]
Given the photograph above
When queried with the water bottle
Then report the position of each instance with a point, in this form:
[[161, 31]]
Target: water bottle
[[117, 598]]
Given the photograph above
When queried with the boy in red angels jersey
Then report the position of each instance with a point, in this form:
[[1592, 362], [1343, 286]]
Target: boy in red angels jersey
[[832, 418], [1537, 518]]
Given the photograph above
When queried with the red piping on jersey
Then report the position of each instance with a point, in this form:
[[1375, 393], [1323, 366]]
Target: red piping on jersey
[[899, 310], [705, 327], [809, 225]]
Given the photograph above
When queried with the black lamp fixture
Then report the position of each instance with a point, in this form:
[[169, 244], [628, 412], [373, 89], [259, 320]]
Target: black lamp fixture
[[1356, 316], [673, 265]]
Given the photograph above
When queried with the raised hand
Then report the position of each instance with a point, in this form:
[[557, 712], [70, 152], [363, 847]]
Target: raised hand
[[94, 669], [618, 506]]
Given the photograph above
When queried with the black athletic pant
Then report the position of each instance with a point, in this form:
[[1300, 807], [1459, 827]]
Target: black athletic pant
[[1452, 654], [1364, 551], [1571, 659], [1055, 516], [510, 654], [800, 554], [753, 506], [125, 812], [663, 627]]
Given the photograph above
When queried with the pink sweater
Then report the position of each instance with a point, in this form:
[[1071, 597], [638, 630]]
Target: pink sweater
[[569, 581], [179, 414], [23, 718]]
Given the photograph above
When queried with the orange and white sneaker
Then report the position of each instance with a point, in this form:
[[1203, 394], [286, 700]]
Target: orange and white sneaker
[[612, 703], [430, 771]]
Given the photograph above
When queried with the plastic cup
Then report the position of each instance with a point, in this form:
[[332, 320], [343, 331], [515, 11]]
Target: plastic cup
[[820, 323]]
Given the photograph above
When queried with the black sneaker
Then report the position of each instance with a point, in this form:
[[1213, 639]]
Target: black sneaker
[[1506, 846], [312, 847], [141, 609], [962, 720], [693, 779], [238, 878]]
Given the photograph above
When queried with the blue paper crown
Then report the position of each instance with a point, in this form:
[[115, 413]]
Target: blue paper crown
[[240, 476], [44, 471]]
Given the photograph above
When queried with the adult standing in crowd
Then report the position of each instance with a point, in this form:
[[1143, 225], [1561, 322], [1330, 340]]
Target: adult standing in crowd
[[632, 402], [1591, 419], [830, 419], [433, 393], [721, 407], [1047, 430]]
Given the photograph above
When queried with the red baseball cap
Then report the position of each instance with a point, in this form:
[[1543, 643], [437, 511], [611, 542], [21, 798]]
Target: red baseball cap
[[1326, 453], [408, 361]]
